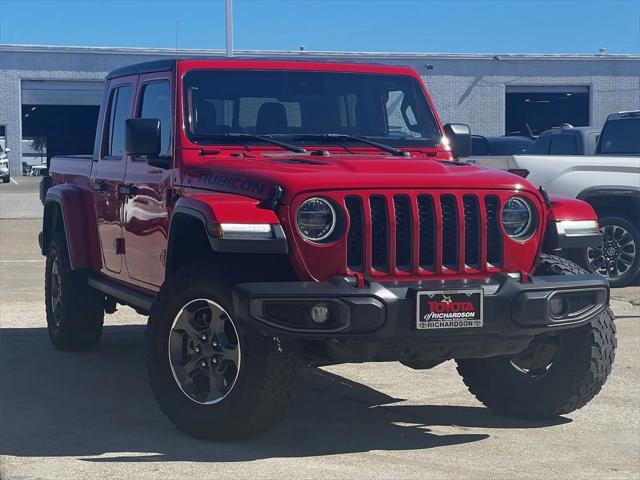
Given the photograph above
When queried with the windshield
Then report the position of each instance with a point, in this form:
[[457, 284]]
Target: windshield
[[301, 106], [621, 137]]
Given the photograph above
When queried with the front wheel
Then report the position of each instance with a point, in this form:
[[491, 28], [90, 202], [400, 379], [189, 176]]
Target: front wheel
[[618, 258], [558, 373], [214, 377]]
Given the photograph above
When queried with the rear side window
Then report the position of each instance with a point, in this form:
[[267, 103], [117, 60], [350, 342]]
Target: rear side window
[[541, 146], [119, 105], [479, 146], [156, 100], [563, 145], [621, 137]]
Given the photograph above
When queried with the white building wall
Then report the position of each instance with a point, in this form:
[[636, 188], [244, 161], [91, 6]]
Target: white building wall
[[465, 88]]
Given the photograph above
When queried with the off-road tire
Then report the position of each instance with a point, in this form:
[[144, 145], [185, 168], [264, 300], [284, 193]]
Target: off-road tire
[[579, 370], [5, 180], [266, 376], [633, 273], [76, 322]]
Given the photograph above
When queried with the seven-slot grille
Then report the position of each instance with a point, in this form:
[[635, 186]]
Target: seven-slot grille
[[423, 233]]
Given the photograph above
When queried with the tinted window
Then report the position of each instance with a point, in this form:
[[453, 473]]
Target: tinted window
[[511, 146], [291, 103], [156, 103], [563, 145], [479, 146], [119, 105], [541, 146], [621, 137]]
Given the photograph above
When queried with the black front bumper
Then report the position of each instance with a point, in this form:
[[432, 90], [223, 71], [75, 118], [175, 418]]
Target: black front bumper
[[378, 322]]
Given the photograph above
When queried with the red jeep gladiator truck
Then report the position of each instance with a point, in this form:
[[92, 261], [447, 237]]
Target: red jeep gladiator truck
[[267, 215]]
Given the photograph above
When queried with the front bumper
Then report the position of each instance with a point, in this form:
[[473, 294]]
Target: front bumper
[[378, 322]]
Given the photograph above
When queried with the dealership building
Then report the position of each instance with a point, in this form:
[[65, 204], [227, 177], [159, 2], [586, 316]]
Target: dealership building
[[50, 95]]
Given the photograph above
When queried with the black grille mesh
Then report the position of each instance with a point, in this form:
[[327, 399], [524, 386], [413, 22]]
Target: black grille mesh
[[450, 239], [402, 209], [471, 231], [454, 222], [379, 232], [355, 238]]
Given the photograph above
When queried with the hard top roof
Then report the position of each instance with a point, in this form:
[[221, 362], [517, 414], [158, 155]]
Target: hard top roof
[[249, 63]]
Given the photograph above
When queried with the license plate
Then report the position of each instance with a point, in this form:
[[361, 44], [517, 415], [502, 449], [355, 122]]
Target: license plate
[[444, 309]]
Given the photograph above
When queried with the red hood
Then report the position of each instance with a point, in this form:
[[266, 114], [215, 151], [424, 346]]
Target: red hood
[[255, 177]]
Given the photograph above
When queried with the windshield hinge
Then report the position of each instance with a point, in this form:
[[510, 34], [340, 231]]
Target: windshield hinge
[[273, 200]]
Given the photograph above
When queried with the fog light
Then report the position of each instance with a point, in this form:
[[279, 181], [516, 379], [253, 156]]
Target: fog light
[[320, 313], [558, 306]]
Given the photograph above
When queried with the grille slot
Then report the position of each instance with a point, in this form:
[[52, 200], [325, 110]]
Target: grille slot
[[355, 237], [450, 237], [402, 210], [379, 233], [427, 226], [411, 238], [494, 236], [471, 231]]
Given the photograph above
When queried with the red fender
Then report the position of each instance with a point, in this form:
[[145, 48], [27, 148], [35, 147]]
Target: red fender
[[570, 209], [69, 201]]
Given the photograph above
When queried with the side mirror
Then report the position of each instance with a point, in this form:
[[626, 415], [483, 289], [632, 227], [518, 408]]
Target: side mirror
[[459, 136], [7, 150], [142, 137]]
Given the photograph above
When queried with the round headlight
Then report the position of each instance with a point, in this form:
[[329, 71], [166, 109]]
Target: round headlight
[[316, 219], [517, 218]]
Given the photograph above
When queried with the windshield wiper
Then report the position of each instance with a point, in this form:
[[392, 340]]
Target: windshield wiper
[[264, 138], [393, 151]]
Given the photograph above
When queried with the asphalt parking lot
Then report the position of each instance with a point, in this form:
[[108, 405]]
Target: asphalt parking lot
[[92, 415]]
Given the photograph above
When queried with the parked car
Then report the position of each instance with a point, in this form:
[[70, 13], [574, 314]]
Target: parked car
[[567, 141], [281, 224], [511, 145], [38, 170], [5, 173], [609, 180]]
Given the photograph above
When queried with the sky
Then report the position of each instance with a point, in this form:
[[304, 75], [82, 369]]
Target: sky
[[510, 26]]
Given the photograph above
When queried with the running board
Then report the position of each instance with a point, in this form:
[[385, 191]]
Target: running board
[[122, 294]]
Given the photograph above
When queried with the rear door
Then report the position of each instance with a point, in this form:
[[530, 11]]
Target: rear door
[[146, 218], [109, 172]]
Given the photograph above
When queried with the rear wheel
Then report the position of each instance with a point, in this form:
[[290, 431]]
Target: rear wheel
[[213, 376], [557, 374], [75, 311]]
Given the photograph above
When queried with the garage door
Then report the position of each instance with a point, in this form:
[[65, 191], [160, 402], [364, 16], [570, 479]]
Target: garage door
[[54, 92]]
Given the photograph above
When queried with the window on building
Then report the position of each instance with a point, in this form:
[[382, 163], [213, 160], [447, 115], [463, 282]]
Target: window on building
[[156, 103], [119, 105], [532, 110]]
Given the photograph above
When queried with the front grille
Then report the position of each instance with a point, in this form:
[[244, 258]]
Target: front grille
[[423, 233]]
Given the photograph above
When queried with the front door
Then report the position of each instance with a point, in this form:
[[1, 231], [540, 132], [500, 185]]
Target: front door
[[146, 219], [108, 174]]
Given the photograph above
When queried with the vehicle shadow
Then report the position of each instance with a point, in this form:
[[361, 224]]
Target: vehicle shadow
[[98, 405]]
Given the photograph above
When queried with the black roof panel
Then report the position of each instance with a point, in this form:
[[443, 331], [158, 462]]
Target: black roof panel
[[146, 67]]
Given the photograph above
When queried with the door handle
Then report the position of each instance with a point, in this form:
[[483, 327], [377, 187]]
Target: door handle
[[129, 190], [99, 186]]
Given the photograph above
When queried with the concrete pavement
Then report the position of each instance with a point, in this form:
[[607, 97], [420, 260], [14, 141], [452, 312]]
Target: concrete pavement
[[92, 415]]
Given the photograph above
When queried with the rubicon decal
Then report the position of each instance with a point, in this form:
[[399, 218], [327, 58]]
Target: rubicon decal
[[449, 309]]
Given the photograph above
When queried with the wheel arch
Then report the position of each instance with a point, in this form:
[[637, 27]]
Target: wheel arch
[[64, 211], [194, 237], [614, 201]]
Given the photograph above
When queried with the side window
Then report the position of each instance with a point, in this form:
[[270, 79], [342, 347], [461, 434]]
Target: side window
[[479, 146], [119, 105], [563, 145], [156, 103], [541, 146]]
